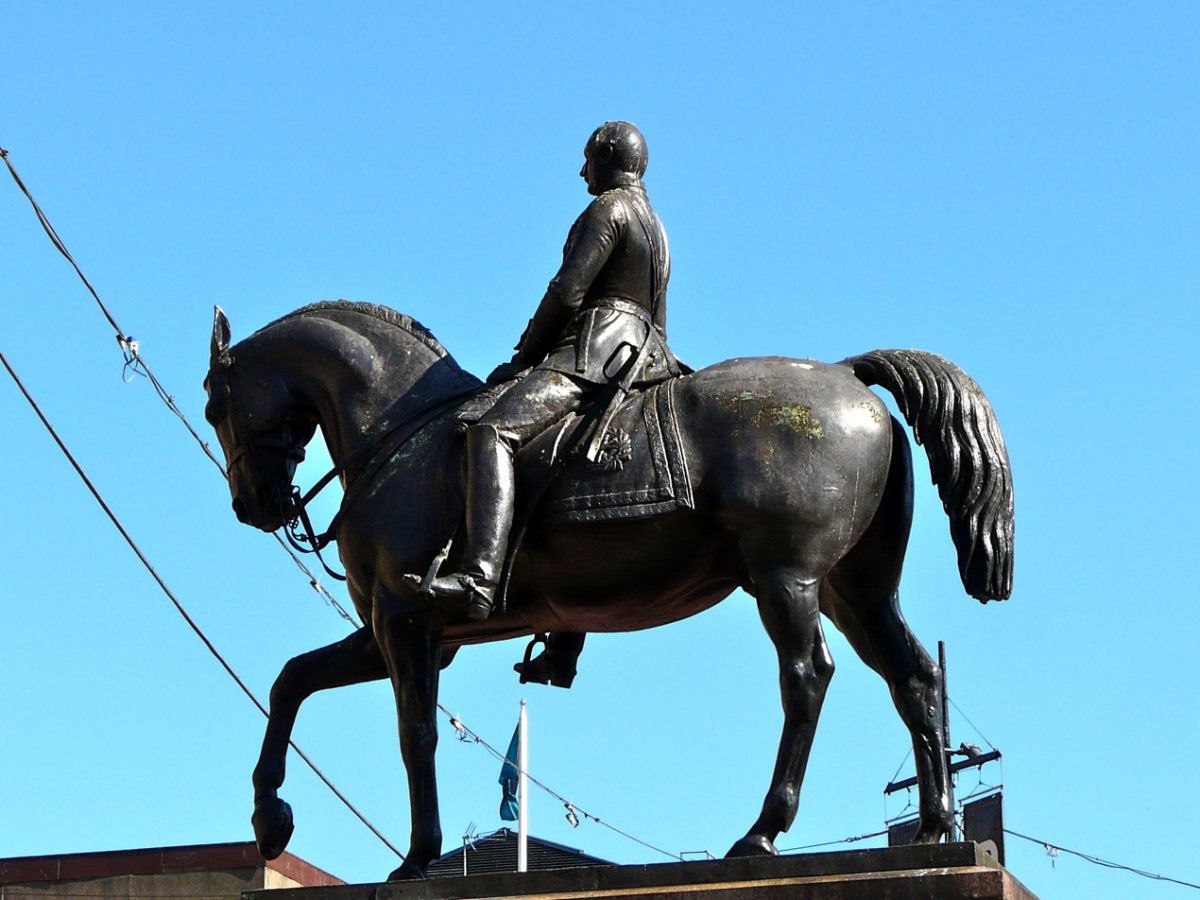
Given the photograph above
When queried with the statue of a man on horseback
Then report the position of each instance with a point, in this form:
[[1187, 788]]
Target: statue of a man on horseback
[[790, 480], [599, 330]]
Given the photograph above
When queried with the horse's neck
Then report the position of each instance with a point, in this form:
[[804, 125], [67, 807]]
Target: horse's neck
[[363, 386]]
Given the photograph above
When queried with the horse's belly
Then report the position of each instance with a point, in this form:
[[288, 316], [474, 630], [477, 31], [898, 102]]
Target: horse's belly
[[629, 575]]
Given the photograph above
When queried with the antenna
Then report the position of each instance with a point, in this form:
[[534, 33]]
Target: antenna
[[468, 841]]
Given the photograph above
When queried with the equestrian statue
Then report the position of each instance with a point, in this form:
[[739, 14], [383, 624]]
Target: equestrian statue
[[597, 483]]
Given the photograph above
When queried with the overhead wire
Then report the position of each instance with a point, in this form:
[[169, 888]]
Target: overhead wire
[[1051, 848], [1055, 849], [847, 840], [136, 363], [969, 722], [463, 729], [177, 603]]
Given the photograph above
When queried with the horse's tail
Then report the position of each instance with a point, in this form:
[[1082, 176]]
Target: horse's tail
[[952, 418]]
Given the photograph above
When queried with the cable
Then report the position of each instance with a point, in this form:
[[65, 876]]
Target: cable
[[178, 605], [972, 724], [848, 840], [901, 766], [1107, 864], [134, 362], [465, 733], [53, 235]]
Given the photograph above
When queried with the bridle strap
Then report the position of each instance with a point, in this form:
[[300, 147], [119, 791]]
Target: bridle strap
[[282, 446], [384, 447], [315, 544]]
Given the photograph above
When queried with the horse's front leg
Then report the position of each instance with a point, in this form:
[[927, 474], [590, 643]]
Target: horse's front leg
[[352, 660], [412, 652]]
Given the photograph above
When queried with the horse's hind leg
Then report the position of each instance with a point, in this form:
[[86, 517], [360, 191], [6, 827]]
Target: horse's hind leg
[[861, 598], [789, 606], [352, 660], [882, 638]]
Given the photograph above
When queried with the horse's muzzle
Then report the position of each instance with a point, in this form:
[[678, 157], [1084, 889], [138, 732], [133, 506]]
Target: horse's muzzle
[[265, 510], [239, 510]]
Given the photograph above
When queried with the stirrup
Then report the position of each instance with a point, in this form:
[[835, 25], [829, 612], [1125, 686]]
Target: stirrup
[[543, 668], [477, 593]]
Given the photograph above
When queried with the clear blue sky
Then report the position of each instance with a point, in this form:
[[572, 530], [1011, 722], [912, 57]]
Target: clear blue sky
[[1013, 186]]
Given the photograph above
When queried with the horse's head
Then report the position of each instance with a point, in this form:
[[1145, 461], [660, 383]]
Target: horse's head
[[262, 427]]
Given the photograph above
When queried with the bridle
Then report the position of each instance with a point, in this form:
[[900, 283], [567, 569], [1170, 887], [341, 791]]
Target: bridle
[[277, 444], [361, 468], [282, 445]]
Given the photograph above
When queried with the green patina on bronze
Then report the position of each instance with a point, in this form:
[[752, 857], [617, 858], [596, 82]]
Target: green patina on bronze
[[797, 418], [767, 414]]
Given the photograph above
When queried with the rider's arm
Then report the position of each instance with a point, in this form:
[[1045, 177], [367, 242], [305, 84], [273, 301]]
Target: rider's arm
[[591, 242]]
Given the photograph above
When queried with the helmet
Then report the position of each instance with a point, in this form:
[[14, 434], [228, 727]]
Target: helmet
[[621, 146]]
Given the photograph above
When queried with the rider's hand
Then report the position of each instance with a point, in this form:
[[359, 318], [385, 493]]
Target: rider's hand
[[506, 371]]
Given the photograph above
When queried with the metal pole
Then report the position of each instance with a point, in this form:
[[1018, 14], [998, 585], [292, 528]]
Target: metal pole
[[946, 750], [523, 793]]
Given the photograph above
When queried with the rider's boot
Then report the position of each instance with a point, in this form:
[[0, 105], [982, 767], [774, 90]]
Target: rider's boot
[[490, 492], [555, 665]]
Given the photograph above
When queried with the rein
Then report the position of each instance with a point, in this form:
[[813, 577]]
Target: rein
[[300, 531]]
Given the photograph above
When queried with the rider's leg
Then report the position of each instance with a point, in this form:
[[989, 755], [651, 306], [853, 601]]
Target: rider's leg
[[526, 409], [490, 489]]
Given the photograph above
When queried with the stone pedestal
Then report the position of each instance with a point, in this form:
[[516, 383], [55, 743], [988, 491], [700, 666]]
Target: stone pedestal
[[937, 872]]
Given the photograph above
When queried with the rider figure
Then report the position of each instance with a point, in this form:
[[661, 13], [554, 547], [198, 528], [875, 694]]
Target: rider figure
[[601, 320]]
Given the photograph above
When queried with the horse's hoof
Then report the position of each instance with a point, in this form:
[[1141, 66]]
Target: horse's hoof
[[407, 872], [273, 826], [933, 832], [752, 845]]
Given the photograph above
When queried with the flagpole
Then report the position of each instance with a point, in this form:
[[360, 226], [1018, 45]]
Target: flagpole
[[523, 793]]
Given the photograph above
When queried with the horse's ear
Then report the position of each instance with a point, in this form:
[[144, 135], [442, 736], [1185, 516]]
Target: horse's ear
[[219, 349]]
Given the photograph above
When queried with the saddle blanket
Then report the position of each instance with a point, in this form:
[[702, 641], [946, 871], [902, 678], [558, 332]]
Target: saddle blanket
[[640, 470]]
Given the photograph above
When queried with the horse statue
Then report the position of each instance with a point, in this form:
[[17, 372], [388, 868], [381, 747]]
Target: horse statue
[[801, 495]]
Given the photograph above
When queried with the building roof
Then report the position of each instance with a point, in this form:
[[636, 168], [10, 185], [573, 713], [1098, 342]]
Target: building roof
[[497, 852], [158, 861]]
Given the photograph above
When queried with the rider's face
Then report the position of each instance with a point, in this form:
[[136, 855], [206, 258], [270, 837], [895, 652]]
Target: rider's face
[[593, 172]]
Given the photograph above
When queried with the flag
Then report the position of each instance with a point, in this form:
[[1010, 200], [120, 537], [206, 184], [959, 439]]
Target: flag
[[509, 810]]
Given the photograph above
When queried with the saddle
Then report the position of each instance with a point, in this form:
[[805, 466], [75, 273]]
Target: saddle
[[640, 469]]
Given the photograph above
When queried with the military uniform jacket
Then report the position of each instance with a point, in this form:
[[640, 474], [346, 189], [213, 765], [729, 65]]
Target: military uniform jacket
[[609, 296]]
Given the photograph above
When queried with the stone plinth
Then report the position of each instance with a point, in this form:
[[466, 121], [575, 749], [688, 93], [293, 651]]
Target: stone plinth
[[937, 872], [210, 871]]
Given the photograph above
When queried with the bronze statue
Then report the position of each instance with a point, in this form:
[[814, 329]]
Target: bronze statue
[[602, 321], [802, 497], [787, 478]]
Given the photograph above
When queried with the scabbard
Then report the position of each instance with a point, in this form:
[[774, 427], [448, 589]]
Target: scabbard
[[621, 385]]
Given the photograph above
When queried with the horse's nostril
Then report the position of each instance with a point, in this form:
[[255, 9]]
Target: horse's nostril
[[239, 510]]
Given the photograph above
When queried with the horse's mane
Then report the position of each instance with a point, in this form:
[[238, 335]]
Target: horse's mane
[[384, 314]]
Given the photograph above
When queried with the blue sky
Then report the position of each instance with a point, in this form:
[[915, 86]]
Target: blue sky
[[1012, 186]]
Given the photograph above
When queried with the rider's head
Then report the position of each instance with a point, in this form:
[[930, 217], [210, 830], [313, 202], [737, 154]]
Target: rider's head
[[615, 154]]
